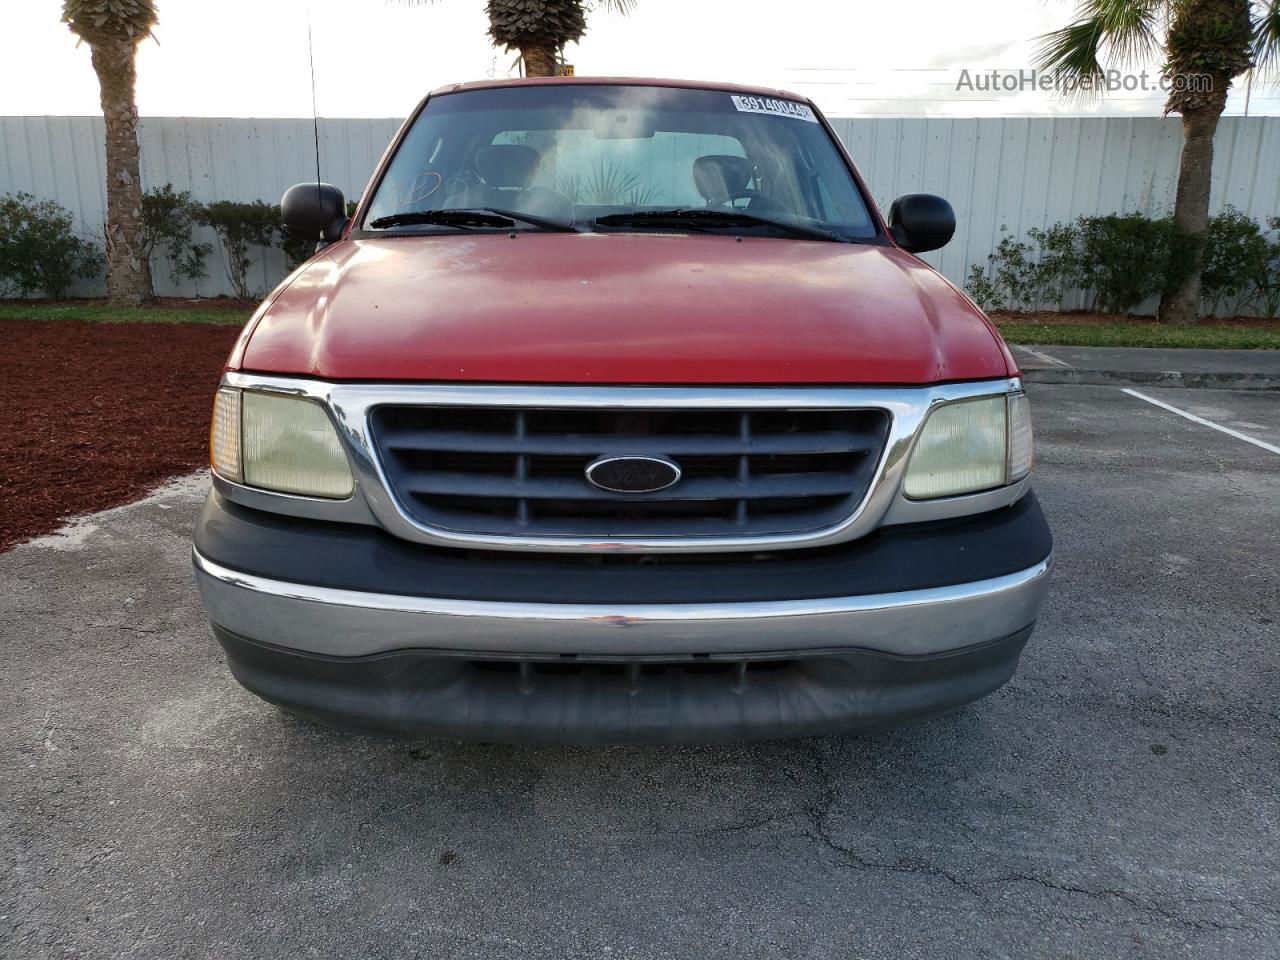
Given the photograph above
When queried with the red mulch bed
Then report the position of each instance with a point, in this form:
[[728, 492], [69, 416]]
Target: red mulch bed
[[95, 415], [169, 303], [1051, 316]]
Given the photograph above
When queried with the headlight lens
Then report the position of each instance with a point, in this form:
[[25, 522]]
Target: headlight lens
[[963, 448], [281, 443]]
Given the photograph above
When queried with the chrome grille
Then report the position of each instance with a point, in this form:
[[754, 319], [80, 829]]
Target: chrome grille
[[507, 472]]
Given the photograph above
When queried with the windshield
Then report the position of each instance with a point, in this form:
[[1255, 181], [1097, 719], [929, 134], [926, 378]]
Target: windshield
[[576, 153]]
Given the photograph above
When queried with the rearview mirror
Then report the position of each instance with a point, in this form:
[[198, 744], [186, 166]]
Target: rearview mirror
[[623, 126], [921, 221], [314, 211]]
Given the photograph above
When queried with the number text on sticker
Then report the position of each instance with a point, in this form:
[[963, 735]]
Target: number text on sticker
[[781, 108]]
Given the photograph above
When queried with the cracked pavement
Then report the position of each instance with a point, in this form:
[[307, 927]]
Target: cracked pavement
[[1117, 799]]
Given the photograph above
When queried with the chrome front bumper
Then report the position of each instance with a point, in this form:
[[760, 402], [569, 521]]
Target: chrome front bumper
[[352, 627], [348, 623]]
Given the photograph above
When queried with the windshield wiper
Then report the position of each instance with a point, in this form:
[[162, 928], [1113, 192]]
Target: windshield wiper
[[708, 217], [443, 218], [544, 223], [470, 219]]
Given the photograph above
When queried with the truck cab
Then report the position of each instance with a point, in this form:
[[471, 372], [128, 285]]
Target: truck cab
[[617, 413]]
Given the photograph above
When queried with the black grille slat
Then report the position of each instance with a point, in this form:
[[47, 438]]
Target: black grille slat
[[523, 472], [832, 441], [697, 488]]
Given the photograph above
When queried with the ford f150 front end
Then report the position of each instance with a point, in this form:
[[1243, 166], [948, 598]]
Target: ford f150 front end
[[616, 413]]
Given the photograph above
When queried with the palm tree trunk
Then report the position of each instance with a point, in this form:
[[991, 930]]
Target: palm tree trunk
[[539, 61], [128, 272], [1191, 207]]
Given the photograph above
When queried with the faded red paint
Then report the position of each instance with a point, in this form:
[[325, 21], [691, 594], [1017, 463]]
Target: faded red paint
[[621, 308]]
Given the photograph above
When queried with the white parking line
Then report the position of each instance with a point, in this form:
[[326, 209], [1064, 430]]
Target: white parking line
[[1201, 420], [1039, 355]]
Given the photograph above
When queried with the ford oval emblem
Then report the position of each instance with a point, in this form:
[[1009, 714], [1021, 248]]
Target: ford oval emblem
[[633, 474]]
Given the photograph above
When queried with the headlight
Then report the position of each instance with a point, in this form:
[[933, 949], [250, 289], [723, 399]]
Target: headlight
[[971, 445], [277, 442]]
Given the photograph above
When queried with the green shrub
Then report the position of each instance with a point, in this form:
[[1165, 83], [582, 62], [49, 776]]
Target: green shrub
[[1126, 259], [1117, 261], [983, 289], [1235, 249], [296, 251], [1058, 268], [168, 219], [239, 227], [1032, 274], [1008, 277], [39, 250], [1265, 295]]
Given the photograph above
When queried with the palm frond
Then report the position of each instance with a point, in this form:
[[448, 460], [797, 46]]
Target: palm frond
[[102, 20], [1128, 30], [1073, 51], [1266, 38], [520, 24], [607, 184], [622, 7], [1131, 28]]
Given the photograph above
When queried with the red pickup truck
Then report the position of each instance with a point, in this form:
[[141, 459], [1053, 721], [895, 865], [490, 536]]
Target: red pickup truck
[[616, 412]]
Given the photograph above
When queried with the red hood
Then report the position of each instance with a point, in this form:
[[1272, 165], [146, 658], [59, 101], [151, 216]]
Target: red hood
[[621, 308]]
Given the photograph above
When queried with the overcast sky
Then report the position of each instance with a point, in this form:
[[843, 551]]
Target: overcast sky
[[376, 58]]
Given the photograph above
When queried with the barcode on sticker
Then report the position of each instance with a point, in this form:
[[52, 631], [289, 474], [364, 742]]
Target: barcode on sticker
[[780, 108]]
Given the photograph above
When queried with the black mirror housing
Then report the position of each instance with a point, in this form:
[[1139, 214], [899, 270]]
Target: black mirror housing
[[921, 221], [314, 211]]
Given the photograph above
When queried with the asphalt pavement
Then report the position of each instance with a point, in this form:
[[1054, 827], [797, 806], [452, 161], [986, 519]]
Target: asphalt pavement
[[1150, 366], [1117, 799]]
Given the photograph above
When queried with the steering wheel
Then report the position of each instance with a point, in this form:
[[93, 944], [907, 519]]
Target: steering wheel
[[746, 193], [418, 189]]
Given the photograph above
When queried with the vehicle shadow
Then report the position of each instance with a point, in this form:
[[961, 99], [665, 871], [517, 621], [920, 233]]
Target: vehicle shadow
[[481, 792]]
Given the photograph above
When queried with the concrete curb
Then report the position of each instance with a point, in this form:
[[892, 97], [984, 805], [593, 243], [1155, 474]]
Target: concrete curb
[[1151, 378]]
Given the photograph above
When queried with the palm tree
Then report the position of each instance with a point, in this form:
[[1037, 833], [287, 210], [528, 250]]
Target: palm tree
[[1213, 40], [539, 29], [113, 29]]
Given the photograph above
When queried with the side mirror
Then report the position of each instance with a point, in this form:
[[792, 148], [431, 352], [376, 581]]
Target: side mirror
[[921, 221], [314, 211]]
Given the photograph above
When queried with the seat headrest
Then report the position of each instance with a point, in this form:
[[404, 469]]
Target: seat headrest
[[717, 177], [507, 164]]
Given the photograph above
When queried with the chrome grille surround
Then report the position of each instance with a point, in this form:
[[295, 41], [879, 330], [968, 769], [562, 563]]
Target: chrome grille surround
[[352, 406]]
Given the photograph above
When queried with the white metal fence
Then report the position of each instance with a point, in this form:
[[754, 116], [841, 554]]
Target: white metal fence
[[998, 172]]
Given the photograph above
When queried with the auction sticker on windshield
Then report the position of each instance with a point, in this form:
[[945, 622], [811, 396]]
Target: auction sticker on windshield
[[781, 108]]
